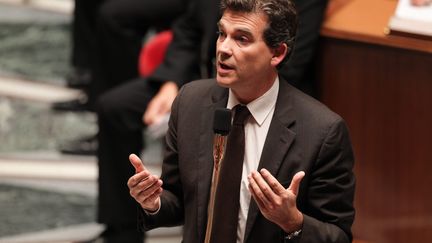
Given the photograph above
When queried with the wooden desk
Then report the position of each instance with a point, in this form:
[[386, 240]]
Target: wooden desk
[[366, 21], [382, 86]]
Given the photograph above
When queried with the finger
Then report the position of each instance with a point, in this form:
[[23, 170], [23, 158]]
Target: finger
[[136, 186], [137, 163], [295, 183], [272, 182], [149, 182], [257, 200], [149, 194], [264, 187], [145, 189], [256, 190], [137, 178], [155, 195], [148, 189]]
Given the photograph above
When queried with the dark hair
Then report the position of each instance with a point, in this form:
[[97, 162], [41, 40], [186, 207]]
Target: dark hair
[[282, 17]]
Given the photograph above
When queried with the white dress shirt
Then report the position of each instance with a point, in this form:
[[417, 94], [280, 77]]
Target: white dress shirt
[[256, 129]]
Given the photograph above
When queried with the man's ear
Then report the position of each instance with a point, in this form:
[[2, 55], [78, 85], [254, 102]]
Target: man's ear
[[279, 54]]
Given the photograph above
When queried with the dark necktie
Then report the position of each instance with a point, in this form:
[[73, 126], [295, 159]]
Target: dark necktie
[[227, 201]]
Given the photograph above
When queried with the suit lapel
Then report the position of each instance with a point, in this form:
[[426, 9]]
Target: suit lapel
[[205, 156], [279, 139]]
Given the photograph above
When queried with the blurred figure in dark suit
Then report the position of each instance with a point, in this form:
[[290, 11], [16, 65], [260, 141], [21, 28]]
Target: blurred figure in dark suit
[[107, 38]]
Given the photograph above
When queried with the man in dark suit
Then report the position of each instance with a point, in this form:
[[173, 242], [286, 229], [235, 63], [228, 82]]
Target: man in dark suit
[[190, 56], [298, 160]]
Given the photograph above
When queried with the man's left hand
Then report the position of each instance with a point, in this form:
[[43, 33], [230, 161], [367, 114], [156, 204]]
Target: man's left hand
[[275, 202]]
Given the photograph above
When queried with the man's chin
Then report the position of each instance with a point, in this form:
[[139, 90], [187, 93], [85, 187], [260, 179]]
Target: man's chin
[[223, 81]]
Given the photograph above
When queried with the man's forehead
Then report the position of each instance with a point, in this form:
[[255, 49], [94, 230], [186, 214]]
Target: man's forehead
[[246, 21]]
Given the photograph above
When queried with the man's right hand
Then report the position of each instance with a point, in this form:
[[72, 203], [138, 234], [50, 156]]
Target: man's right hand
[[144, 187]]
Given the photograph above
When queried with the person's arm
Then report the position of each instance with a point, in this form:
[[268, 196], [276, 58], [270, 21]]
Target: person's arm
[[144, 187], [182, 56], [170, 211], [330, 190], [160, 104], [178, 66]]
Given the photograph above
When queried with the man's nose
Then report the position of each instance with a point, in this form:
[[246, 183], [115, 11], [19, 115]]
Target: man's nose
[[225, 47]]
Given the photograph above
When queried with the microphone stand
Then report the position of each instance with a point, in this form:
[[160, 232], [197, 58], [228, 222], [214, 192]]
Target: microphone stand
[[218, 154], [221, 126]]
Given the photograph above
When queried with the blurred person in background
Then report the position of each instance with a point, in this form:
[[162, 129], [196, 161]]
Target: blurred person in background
[[107, 38]]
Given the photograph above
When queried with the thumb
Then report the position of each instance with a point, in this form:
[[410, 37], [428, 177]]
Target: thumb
[[295, 183], [136, 162]]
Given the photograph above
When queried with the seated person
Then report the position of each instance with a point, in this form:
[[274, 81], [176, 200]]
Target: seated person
[[107, 38]]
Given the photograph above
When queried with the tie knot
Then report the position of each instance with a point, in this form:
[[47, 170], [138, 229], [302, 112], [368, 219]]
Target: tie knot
[[241, 114]]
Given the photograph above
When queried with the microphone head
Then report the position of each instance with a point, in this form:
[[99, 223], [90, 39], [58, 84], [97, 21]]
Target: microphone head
[[222, 121]]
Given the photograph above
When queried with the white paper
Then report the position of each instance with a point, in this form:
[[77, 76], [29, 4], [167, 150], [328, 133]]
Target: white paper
[[405, 10]]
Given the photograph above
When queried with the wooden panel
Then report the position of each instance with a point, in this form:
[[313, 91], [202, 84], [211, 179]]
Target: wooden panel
[[366, 21], [385, 95]]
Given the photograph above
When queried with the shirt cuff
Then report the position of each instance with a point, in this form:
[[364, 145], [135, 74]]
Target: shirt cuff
[[153, 212]]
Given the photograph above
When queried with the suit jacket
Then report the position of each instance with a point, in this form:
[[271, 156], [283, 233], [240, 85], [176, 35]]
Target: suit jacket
[[303, 135], [190, 54]]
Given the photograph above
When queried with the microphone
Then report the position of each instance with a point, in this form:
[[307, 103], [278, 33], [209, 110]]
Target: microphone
[[221, 128]]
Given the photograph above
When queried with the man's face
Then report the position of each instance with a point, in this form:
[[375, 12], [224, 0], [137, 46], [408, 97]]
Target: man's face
[[243, 58]]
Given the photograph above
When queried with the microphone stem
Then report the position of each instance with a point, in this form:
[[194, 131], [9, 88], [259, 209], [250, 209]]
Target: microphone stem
[[219, 143]]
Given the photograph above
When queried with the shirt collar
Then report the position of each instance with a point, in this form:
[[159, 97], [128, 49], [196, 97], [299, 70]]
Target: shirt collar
[[261, 106]]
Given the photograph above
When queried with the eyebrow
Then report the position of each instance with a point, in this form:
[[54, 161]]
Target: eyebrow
[[219, 24], [241, 30]]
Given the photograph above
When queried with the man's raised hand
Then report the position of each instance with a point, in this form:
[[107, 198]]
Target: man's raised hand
[[275, 202], [144, 187]]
